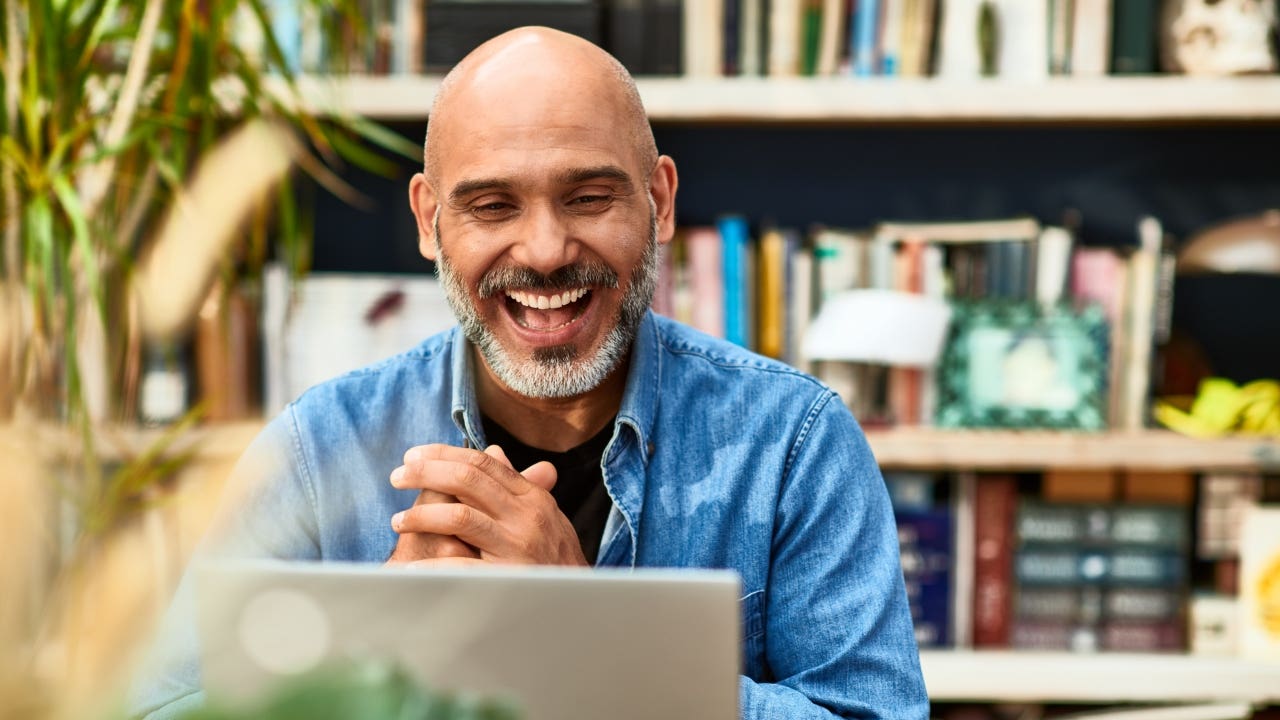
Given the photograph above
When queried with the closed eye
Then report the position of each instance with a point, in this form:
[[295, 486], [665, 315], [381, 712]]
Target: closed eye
[[492, 210]]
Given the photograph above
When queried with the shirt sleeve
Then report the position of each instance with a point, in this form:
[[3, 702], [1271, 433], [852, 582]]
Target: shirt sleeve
[[837, 632], [267, 511]]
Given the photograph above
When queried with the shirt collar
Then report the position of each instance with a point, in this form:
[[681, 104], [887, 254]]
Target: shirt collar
[[639, 399]]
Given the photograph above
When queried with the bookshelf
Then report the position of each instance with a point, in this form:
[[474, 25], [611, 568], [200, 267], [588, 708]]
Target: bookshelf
[[918, 448], [763, 101], [1024, 676]]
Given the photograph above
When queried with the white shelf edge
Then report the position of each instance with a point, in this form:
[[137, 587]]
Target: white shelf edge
[[1140, 99], [1025, 676], [1154, 450]]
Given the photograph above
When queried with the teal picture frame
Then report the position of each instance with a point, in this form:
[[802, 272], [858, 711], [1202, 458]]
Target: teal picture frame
[[1016, 365]]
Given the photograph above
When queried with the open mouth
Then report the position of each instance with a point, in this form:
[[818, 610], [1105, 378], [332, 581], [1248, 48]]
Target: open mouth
[[547, 312]]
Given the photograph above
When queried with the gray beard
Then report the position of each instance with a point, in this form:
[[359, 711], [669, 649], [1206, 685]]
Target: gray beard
[[557, 372]]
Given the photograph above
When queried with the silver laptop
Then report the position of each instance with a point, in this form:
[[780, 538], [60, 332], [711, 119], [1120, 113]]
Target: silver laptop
[[563, 644]]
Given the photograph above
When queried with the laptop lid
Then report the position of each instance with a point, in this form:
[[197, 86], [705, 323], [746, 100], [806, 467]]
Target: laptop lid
[[563, 643]]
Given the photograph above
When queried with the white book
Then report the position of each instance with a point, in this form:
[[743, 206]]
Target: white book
[[1053, 262], [784, 38], [959, 57], [1260, 584], [829, 41], [1090, 38], [703, 40], [801, 307], [1023, 45], [750, 23], [891, 40], [1140, 324]]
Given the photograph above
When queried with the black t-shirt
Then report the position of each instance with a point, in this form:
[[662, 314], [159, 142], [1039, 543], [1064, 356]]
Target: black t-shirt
[[579, 488]]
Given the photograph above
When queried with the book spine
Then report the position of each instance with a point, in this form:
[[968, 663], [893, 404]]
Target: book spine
[[627, 34], [891, 45], [706, 279], [736, 246], [784, 38], [1133, 46], [1090, 38], [833, 20], [731, 37], [866, 30], [666, 34], [702, 40], [771, 288], [995, 499]]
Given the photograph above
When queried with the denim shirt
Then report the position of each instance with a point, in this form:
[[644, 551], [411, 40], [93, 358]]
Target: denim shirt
[[719, 458]]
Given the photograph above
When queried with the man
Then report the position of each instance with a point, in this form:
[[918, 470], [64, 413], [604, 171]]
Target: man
[[543, 201]]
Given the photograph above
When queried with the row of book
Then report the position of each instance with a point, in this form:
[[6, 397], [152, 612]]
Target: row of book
[[1015, 39], [1081, 562], [762, 287], [1019, 39]]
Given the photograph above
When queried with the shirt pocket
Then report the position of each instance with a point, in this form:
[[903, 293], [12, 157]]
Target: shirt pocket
[[752, 604]]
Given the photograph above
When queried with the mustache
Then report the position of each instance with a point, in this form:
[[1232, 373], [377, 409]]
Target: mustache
[[569, 277]]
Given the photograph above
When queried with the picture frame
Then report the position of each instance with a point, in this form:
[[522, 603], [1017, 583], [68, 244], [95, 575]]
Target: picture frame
[[1016, 365]]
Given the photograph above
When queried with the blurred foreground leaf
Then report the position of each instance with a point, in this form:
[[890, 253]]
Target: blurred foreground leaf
[[360, 692]]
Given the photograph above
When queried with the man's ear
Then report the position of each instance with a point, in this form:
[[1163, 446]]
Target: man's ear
[[662, 184], [422, 198]]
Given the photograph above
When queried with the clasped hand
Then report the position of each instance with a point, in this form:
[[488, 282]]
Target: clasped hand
[[473, 507]]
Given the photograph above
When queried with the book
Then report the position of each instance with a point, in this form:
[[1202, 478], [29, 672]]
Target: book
[[1061, 25], [702, 38], [1090, 38], [731, 35], [1133, 38], [958, 52], [863, 48], [739, 282], [891, 37], [706, 279], [1260, 584], [917, 36], [627, 34], [810, 36], [771, 294], [1139, 326], [994, 505], [666, 41], [752, 60], [1023, 45], [834, 21], [785, 17]]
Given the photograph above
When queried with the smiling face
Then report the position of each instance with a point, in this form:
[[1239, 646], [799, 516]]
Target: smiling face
[[544, 213]]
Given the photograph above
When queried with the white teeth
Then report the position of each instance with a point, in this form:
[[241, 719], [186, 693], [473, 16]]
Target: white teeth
[[546, 302]]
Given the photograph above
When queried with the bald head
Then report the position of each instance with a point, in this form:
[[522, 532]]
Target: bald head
[[528, 71]]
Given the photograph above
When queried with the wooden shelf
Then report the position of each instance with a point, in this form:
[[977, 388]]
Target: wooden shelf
[[928, 448], [1110, 100], [1024, 676]]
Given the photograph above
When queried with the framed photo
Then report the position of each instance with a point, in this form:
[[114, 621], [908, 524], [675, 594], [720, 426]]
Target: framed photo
[[1014, 365]]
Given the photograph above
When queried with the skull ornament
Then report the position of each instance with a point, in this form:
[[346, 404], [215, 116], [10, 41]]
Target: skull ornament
[[1219, 37]]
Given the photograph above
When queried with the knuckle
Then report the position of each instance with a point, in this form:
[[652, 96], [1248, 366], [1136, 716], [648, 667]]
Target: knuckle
[[461, 517]]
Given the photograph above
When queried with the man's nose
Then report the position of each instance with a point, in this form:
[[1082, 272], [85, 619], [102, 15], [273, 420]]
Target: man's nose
[[546, 241]]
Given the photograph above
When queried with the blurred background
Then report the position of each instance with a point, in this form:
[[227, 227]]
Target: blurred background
[[204, 213]]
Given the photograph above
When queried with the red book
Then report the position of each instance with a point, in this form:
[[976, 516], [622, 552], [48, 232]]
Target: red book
[[994, 503]]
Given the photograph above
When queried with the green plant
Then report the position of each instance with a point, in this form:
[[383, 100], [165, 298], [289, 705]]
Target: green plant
[[107, 108], [367, 692]]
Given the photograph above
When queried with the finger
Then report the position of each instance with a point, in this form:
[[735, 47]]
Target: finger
[[542, 474], [457, 519], [467, 484], [421, 546], [496, 451], [428, 497], [499, 468], [448, 562]]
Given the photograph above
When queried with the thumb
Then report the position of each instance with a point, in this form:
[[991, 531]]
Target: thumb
[[542, 474]]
